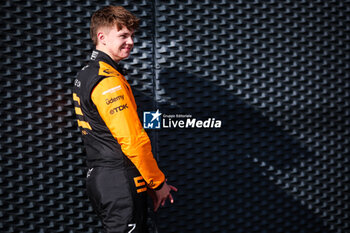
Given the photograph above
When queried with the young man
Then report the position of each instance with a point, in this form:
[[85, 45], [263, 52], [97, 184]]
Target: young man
[[121, 165]]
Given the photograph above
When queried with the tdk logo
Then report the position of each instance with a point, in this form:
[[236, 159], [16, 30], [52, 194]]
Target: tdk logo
[[151, 120]]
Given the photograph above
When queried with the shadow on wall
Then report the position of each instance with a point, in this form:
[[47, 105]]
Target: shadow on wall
[[227, 177]]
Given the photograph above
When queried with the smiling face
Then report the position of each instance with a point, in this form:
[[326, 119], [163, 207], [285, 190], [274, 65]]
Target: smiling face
[[116, 43]]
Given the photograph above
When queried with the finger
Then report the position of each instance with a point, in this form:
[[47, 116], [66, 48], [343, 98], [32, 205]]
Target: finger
[[171, 198], [173, 188], [163, 202]]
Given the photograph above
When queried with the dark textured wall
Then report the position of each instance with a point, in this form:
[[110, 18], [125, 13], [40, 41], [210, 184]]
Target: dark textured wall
[[276, 73]]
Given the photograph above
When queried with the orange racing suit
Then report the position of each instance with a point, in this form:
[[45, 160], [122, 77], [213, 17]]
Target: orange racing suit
[[119, 155], [107, 116]]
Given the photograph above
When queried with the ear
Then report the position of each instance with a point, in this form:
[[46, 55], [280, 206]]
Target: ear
[[101, 37]]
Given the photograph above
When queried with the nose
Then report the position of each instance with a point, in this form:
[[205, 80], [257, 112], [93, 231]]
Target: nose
[[130, 41]]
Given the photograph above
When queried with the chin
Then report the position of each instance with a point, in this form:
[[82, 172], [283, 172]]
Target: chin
[[125, 57]]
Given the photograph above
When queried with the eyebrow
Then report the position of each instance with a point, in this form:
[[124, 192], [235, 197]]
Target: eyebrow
[[127, 34]]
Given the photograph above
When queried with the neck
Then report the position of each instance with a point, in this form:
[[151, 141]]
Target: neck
[[106, 51]]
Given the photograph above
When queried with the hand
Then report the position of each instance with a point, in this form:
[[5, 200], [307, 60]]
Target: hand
[[160, 196]]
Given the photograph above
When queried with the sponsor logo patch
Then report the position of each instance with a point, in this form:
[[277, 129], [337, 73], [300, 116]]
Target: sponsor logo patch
[[118, 109], [112, 90], [114, 99], [94, 55], [107, 71], [77, 83]]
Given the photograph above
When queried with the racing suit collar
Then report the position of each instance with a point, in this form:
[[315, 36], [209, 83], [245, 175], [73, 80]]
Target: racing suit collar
[[98, 55]]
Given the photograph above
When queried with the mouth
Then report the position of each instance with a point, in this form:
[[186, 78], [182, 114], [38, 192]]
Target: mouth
[[127, 49]]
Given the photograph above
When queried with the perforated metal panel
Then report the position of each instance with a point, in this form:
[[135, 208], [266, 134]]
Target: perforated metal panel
[[276, 73]]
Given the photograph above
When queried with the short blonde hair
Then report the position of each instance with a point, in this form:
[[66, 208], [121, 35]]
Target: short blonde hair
[[111, 16]]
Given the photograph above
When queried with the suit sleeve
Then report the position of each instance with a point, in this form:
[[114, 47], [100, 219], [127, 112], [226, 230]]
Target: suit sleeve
[[116, 105]]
